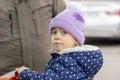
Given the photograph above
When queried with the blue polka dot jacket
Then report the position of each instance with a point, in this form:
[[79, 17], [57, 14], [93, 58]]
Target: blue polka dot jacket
[[79, 63]]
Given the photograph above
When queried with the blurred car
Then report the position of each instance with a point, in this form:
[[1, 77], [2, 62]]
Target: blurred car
[[102, 18]]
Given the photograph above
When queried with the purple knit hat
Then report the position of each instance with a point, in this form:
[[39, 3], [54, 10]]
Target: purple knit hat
[[71, 21]]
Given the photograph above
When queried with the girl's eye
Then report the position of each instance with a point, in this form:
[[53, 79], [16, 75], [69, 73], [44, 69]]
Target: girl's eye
[[54, 32], [64, 32]]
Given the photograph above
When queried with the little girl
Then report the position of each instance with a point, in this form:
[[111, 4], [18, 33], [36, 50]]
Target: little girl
[[71, 60]]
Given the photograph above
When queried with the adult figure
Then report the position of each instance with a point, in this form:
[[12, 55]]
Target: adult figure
[[24, 32]]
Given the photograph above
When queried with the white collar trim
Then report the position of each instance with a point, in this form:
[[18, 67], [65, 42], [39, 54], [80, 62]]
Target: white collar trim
[[79, 49]]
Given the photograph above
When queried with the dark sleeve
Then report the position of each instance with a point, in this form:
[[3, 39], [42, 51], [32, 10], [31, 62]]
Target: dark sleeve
[[64, 68], [31, 75], [58, 6]]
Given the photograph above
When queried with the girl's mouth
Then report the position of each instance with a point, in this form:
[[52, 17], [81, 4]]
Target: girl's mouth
[[57, 43]]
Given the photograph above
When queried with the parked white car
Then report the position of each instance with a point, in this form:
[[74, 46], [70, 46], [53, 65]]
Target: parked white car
[[102, 18]]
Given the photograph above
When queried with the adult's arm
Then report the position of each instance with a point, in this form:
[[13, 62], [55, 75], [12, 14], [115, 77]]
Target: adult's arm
[[58, 6]]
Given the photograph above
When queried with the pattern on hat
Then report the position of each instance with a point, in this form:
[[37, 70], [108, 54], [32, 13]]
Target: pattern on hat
[[78, 17]]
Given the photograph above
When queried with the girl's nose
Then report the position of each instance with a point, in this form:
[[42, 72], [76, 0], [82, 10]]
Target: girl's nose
[[57, 36]]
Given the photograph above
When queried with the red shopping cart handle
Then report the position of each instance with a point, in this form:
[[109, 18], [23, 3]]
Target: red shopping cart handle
[[15, 77]]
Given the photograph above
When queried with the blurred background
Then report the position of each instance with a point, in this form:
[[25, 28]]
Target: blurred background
[[102, 29]]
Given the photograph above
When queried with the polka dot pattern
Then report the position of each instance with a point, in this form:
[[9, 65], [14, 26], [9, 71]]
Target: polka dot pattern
[[73, 65]]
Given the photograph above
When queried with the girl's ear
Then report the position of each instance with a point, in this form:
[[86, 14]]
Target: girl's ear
[[76, 43]]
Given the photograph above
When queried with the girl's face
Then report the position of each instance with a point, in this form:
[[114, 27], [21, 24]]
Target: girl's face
[[62, 39]]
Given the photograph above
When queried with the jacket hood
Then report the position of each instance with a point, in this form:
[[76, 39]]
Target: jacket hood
[[82, 48], [87, 56]]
